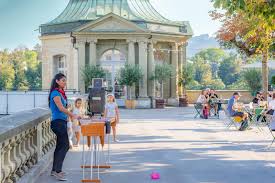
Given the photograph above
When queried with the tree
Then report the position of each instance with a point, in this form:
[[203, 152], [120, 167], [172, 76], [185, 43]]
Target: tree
[[20, 69], [229, 70], [33, 71], [202, 70], [273, 80], [129, 76], [89, 72], [20, 66], [162, 73], [250, 76], [34, 76], [186, 77], [212, 56], [6, 76], [216, 84], [248, 25], [6, 70]]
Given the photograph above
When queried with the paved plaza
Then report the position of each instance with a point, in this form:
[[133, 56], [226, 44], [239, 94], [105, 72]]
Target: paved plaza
[[182, 149]]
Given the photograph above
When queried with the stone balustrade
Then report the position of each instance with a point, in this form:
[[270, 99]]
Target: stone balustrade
[[25, 138]]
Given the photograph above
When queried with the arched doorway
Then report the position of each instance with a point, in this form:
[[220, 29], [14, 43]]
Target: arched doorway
[[112, 61]]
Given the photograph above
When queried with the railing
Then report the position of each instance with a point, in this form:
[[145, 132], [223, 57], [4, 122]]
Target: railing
[[14, 101], [24, 138]]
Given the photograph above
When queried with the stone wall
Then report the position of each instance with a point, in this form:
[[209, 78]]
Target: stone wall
[[25, 138], [224, 94], [56, 45]]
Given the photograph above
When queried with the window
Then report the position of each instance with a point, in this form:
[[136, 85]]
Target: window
[[61, 65], [113, 55]]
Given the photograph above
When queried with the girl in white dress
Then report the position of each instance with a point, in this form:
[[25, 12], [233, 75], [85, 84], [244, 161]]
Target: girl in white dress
[[112, 112], [76, 124]]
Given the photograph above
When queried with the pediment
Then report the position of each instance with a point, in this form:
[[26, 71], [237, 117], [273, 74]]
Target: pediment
[[110, 23]]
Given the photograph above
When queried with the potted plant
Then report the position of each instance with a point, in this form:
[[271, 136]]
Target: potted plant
[[130, 75], [273, 81], [90, 72], [186, 77], [162, 73]]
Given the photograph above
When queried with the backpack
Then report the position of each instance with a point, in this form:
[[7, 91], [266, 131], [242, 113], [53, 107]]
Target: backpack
[[205, 113]]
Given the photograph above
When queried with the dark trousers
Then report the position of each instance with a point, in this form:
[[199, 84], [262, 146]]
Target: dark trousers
[[59, 127]]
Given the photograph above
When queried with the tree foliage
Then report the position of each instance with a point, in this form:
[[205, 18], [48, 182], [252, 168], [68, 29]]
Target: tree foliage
[[186, 75], [253, 79], [130, 75], [20, 69], [249, 26], [229, 70], [89, 72], [202, 70], [212, 57], [162, 73]]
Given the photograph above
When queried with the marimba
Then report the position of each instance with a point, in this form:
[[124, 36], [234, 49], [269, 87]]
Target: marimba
[[95, 131]]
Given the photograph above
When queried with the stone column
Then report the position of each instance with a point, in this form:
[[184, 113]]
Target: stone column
[[131, 61], [175, 79], [81, 64], [75, 70], [180, 87], [93, 59], [184, 59], [142, 45], [131, 52], [151, 70]]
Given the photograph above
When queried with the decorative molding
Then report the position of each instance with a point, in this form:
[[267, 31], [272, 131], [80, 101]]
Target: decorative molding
[[89, 40], [113, 21]]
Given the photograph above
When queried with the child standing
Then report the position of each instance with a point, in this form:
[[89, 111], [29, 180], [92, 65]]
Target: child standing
[[112, 112], [76, 124], [70, 133], [70, 128]]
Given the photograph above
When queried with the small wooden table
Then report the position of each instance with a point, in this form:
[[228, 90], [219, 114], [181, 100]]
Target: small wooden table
[[95, 129]]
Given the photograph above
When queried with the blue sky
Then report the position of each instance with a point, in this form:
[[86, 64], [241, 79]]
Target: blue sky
[[20, 19]]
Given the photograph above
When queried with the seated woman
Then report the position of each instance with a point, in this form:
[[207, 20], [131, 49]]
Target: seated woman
[[203, 100], [269, 96], [271, 105], [257, 99], [235, 110], [213, 98]]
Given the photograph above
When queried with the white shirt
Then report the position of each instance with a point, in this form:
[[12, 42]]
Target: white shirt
[[111, 110], [76, 111], [201, 99], [269, 99], [271, 104], [69, 124]]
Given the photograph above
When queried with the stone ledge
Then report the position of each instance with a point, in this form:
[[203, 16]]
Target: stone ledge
[[143, 103], [14, 124], [173, 102], [43, 165]]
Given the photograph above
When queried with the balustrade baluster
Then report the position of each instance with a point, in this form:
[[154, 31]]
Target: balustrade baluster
[[8, 165], [19, 155], [32, 146], [14, 160]]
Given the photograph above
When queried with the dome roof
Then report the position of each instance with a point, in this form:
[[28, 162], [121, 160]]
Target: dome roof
[[79, 12], [134, 10]]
